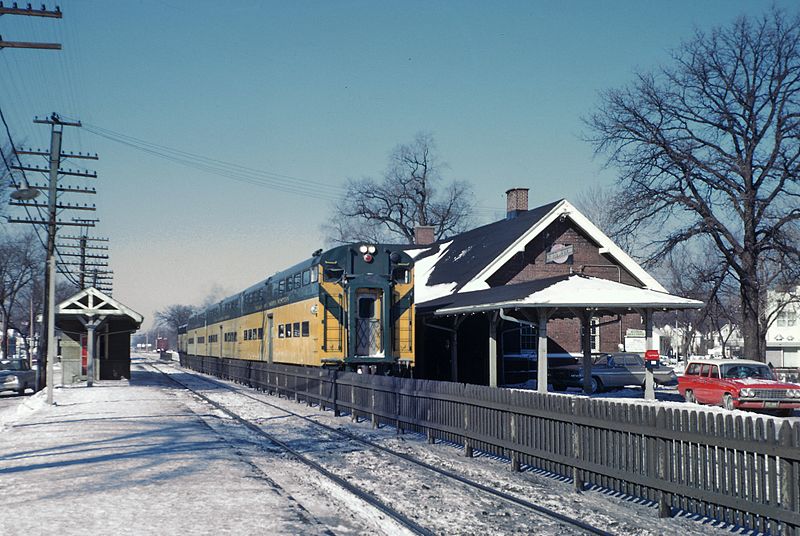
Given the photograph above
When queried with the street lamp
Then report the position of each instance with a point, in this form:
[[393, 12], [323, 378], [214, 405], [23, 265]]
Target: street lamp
[[24, 192]]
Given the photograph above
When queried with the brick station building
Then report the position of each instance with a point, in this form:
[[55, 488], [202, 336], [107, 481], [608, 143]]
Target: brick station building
[[484, 296]]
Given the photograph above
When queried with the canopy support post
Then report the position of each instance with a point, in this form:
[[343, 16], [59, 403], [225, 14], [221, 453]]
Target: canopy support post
[[541, 361], [493, 349]]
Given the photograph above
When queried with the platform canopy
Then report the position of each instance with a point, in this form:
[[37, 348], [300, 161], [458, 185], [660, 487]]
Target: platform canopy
[[567, 293], [563, 296], [91, 302]]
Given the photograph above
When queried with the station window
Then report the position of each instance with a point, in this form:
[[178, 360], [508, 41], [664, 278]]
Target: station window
[[306, 277], [595, 334], [191, 340], [288, 330], [296, 329], [528, 339], [201, 340], [260, 333], [280, 331], [304, 329]]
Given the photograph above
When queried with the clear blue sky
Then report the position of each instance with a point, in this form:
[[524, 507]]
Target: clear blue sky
[[318, 91]]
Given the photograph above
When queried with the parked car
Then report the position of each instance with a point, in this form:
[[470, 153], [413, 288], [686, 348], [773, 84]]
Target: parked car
[[16, 375], [610, 371], [737, 383]]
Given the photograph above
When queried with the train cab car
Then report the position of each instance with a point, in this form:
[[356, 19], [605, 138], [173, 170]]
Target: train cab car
[[348, 307]]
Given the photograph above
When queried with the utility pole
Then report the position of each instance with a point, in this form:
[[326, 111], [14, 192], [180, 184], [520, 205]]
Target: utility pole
[[21, 197], [80, 251], [29, 12]]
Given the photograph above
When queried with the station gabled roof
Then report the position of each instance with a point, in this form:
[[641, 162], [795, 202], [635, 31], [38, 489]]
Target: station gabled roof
[[569, 292], [465, 262], [90, 303]]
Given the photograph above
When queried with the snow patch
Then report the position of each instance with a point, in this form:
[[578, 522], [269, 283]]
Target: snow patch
[[423, 270]]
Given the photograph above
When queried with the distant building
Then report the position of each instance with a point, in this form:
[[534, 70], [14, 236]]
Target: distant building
[[783, 335]]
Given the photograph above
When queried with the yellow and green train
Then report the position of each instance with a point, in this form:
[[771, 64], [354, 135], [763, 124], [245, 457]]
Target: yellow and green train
[[348, 307]]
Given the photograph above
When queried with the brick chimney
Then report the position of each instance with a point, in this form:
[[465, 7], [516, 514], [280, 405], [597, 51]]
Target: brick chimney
[[424, 235], [516, 202]]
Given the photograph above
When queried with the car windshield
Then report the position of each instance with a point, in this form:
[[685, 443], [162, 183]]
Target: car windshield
[[12, 365], [602, 359], [761, 372]]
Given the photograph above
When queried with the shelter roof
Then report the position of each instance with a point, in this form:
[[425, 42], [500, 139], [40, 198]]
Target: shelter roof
[[90, 303], [565, 292], [466, 261]]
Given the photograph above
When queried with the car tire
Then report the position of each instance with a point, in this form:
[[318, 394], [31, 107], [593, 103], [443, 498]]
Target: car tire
[[689, 397], [21, 390], [727, 401], [595, 385]]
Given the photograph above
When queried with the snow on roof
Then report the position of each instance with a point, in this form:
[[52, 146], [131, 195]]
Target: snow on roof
[[465, 263], [423, 268], [568, 291]]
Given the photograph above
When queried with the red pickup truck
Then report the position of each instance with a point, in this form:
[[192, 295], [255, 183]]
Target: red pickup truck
[[737, 384]]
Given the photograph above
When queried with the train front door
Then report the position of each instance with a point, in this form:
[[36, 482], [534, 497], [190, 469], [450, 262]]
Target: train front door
[[368, 322]]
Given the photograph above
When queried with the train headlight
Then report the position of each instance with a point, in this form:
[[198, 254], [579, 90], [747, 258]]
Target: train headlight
[[372, 250], [363, 249], [746, 392]]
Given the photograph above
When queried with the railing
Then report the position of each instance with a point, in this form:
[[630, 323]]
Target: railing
[[741, 470]]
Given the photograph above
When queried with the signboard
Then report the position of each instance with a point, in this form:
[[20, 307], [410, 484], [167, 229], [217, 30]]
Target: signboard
[[634, 333], [559, 254], [651, 355]]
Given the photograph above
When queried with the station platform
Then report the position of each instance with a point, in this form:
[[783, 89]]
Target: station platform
[[130, 457]]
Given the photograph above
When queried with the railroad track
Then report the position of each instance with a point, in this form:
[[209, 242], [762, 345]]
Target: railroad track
[[399, 517]]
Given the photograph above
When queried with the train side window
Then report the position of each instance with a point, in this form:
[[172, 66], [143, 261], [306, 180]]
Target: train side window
[[260, 333], [306, 277], [400, 275], [280, 331], [282, 286], [304, 329], [314, 274], [298, 280], [289, 283], [288, 330], [332, 274], [296, 329]]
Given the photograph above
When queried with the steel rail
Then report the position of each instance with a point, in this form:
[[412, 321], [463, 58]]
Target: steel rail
[[541, 510], [361, 494]]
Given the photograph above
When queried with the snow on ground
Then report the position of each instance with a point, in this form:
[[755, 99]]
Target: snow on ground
[[144, 456], [123, 458], [436, 501]]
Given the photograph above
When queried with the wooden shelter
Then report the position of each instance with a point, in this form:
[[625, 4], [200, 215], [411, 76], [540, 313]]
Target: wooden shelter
[[96, 332]]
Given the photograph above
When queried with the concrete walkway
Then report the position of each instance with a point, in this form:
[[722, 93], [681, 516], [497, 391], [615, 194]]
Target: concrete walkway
[[131, 458]]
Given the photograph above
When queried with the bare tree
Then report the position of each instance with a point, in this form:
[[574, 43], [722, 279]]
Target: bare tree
[[20, 264], [407, 195], [597, 203], [710, 147], [171, 318]]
